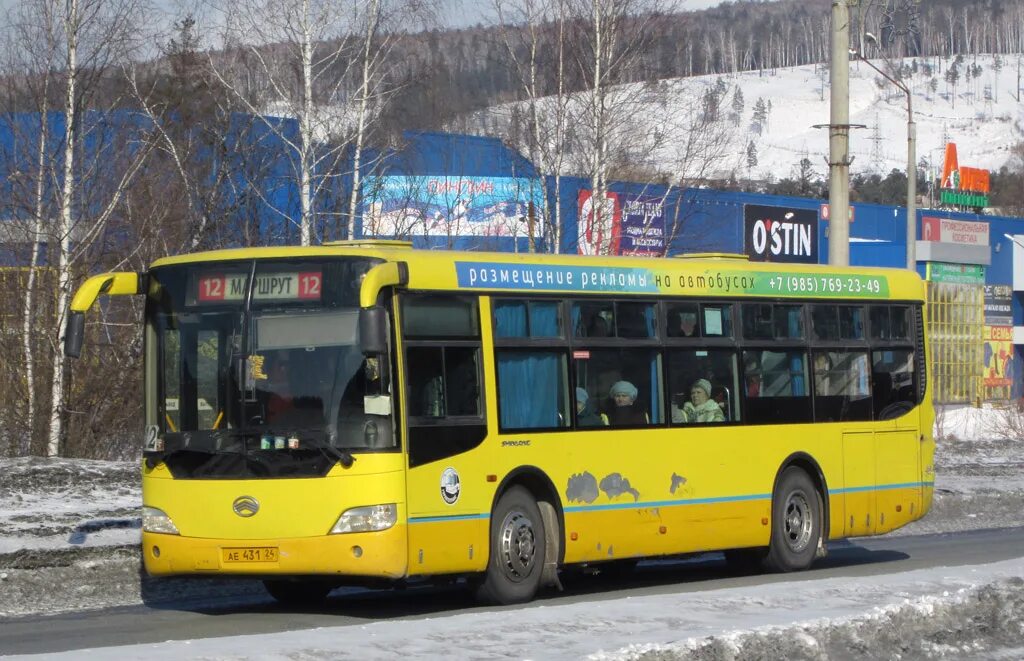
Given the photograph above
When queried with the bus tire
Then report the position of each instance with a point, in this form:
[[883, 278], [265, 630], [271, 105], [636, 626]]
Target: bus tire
[[796, 523], [298, 592], [516, 559]]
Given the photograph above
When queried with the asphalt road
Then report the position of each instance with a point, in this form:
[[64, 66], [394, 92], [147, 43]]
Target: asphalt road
[[227, 611]]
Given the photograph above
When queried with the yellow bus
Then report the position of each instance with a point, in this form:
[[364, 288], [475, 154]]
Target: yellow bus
[[365, 412]]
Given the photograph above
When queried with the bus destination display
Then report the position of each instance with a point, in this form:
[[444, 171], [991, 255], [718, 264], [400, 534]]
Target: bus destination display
[[223, 287]]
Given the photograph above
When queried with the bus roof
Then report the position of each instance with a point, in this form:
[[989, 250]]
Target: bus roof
[[526, 273]]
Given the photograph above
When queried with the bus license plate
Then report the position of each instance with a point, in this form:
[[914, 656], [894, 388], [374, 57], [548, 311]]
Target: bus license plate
[[250, 554]]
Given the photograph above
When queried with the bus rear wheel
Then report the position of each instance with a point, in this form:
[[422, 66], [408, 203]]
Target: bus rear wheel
[[518, 542], [796, 523], [296, 592]]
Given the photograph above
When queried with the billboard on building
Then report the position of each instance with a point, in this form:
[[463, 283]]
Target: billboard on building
[[956, 274], [451, 206], [947, 230], [998, 356], [780, 234], [627, 225], [998, 350], [998, 305]]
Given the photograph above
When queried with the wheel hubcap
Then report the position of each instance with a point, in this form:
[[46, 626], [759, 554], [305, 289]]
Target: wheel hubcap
[[518, 546], [798, 522]]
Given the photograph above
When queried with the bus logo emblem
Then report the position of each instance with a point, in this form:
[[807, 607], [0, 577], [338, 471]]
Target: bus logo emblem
[[450, 486], [245, 506]]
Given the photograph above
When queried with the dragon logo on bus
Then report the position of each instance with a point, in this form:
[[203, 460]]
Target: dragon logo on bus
[[245, 506]]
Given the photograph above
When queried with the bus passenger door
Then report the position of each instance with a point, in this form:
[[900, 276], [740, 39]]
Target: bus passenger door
[[898, 470], [449, 498], [859, 477]]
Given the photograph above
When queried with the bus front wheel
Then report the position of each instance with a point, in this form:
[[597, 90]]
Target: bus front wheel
[[796, 523], [517, 550]]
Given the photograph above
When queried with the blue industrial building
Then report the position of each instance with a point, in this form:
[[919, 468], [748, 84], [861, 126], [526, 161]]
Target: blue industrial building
[[978, 259], [446, 191]]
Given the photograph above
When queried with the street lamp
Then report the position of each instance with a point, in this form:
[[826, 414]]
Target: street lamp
[[911, 155]]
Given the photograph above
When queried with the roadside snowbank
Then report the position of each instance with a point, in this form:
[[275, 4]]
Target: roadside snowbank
[[952, 613]]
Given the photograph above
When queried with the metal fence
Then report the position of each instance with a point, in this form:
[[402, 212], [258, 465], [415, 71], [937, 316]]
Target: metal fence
[[956, 326]]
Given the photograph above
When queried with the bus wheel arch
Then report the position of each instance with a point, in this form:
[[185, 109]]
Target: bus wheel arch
[[526, 483], [813, 470], [799, 516]]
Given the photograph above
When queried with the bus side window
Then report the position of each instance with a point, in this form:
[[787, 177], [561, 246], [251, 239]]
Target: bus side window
[[782, 392], [426, 382], [687, 368], [443, 397], [443, 382], [841, 390], [893, 384]]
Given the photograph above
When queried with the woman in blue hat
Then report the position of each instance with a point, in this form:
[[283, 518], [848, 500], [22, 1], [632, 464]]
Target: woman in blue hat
[[624, 410], [586, 416]]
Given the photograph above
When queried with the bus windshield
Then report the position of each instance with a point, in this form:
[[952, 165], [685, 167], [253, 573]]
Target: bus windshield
[[267, 381]]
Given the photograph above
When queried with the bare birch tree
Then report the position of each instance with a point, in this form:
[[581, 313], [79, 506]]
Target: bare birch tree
[[31, 56], [609, 38], [527, 29], [80, 39], [321, 62]]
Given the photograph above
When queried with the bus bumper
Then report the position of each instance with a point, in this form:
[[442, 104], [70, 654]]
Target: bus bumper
[[380, 554]]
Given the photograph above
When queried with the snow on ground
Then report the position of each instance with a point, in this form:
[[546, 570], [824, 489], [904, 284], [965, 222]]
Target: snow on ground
[[973, 612], [61, 503], [69, 533]]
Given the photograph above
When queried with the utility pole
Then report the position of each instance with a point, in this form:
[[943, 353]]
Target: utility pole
[[911, 185], [911, 156], [839, 138]]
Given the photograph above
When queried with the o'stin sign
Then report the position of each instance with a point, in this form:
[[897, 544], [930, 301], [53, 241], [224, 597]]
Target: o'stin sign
[[780, 234]]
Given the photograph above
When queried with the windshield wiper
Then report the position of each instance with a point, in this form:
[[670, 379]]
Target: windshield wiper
[[345, 458]]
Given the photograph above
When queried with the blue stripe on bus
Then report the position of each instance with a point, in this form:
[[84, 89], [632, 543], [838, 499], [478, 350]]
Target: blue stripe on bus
[[666, 503], [675, 503], [453, 517]]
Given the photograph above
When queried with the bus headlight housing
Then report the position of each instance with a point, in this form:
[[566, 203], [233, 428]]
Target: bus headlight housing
[[156, 520], [369, 518]]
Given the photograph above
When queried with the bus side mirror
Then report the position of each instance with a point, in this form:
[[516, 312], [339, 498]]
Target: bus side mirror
[[73, 334], [373, 330], [119, 283]]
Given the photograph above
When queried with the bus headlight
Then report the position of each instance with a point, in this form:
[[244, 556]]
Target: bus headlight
[[155, 520], [369, 518]]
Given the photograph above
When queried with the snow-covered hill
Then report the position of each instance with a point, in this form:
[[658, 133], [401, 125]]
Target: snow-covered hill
[[658, 127]]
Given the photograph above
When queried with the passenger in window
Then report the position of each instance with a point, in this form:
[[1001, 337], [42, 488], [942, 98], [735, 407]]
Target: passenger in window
[[752, 380], [624, 410], [701, 408], [433, 398], [600, 326], [280, 400], [688, 324], [586, 416], [823, 374]]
